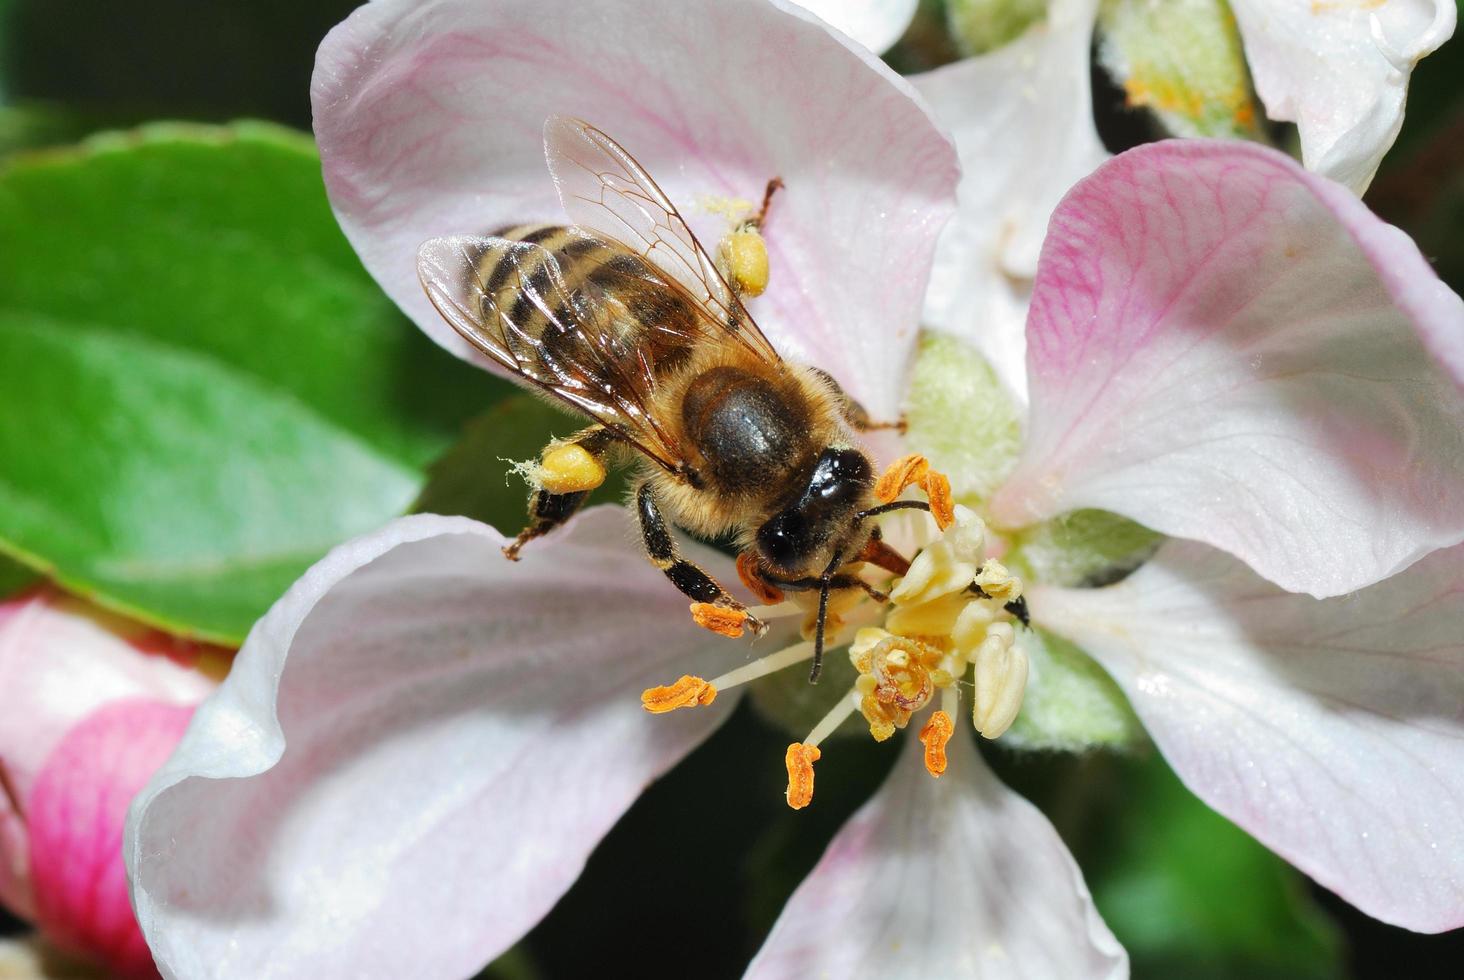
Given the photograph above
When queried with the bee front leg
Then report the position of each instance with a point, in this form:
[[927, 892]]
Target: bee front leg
[[566, 474], [711, 607]]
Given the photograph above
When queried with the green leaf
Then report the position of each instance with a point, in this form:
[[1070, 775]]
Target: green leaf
[[475, 477], [1190, 894], [167, 485], [219, 240], [14, 577], [201, 391]]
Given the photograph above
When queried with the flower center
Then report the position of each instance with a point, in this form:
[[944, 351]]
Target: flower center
[[945, 631]]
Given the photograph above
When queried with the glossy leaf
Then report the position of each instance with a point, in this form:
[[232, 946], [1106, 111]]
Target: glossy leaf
[[201, 391]]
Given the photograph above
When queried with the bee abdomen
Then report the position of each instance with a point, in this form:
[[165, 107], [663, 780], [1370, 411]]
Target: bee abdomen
[[582, 277]]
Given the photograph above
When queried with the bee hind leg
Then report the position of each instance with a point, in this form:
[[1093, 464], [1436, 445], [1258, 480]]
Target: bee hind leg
[[566, 474], [712, 607]]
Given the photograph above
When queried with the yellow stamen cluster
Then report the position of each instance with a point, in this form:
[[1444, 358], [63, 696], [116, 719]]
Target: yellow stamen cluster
[[939, 626], [947, 616]]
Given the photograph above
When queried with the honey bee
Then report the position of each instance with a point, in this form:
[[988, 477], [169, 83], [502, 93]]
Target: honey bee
[[625, 318]]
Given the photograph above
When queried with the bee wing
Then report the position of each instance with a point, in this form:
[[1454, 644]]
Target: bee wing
[[584, 365], [602, 187]]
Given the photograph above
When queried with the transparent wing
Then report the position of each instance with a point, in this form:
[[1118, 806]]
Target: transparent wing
[[565, 341], [602, 187]]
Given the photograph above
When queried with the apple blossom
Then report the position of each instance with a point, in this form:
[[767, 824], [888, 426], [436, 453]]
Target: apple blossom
[[90, 706], [1221, 346]]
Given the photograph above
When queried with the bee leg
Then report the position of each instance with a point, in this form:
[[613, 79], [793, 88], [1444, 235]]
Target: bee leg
[[854, 413], [774, 185], [567, 472], [711, 606]]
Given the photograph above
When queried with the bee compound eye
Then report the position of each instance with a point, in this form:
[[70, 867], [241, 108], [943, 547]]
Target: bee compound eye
[[783, 539], [851, 466]]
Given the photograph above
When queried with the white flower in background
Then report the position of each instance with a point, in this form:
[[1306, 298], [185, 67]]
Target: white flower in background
[[1339, 70], [876, 24], [421, 743]]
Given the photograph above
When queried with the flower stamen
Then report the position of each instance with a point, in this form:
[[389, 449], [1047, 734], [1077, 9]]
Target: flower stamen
[[934, 736], [721, 620], [688, 691], [799, 760]]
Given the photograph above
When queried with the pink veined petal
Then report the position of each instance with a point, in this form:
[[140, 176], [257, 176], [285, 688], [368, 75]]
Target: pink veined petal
[[876, 24], [1225, 347], [429, 118], [1340, 72], [75, 819], [415, 752], [1332, 730], [956, 877], [1022, 118], [60, 660]]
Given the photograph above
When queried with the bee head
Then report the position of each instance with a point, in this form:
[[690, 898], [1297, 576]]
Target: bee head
[[802, 538]]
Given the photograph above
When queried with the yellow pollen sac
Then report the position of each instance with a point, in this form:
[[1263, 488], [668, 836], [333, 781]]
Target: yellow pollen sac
[[883, 718], [903, 472], [569, 468], [934, 736], [744, 255], [800, 760], [1001, 681], [938, 491], [718, 619], [687, 692], [913, 470], [997, 582]]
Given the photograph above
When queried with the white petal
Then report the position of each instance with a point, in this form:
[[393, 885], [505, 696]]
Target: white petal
[[1339, 70], [876, 24], [1332, 730], [1022, 118], [429, 117], [415, 752], [949, 878], [1226, 347]]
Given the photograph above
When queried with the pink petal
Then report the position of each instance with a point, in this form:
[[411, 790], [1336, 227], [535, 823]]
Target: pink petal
[[1022, 118], [1225, 347], [1340, 72], [75, 818], [60, 660], [429, 118], [952, 877], [1332, 730], [415, 752]]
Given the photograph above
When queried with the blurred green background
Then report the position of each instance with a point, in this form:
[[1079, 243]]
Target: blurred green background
[[309, 410]]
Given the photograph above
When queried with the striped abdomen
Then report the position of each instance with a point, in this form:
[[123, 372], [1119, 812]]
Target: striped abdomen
[[597, 305]]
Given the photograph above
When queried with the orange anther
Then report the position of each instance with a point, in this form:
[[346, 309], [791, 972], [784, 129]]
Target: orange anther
[[800, 760], [903, 472], [687, 692], [938, 491], [719, 619], [934, 736], [751, 575]]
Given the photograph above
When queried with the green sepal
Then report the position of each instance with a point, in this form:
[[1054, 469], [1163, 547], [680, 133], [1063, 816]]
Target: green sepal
[[1071, 705], [961, 418], [1183, 60], [979, 26]]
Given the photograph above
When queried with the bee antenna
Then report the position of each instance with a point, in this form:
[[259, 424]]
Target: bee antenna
[[825, 582], [897, 505]]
